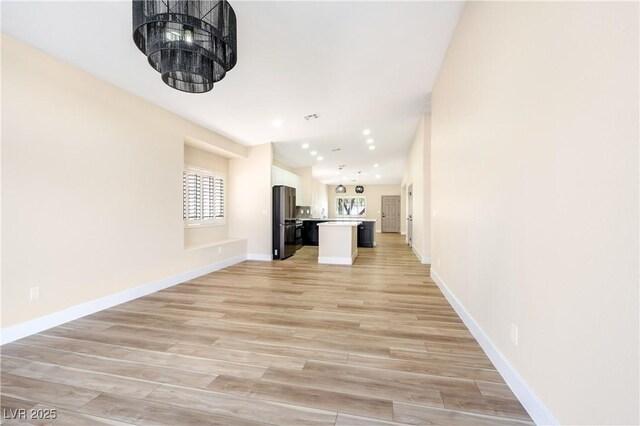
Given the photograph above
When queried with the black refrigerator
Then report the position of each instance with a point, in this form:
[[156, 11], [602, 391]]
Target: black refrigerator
[[284, 221]]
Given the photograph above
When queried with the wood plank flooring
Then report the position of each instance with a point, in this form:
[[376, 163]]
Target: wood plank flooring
[[287, 342]]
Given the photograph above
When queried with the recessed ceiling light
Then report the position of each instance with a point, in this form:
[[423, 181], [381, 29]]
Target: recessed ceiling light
[[313, 152], [372, 147], [320, 158], [375, 165], [377, 176], [277, 122], [366, 132], [305, 145], [370, 140]]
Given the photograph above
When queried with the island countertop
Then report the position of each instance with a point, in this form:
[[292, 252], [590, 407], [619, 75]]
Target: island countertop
[[341, 223], [340, 219]]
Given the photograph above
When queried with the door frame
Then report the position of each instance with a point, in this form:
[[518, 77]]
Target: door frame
[[410, 215]]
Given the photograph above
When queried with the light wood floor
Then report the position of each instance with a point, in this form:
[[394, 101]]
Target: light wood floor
[[286, 342]]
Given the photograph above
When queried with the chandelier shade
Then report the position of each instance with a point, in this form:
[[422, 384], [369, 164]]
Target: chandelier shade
[[359, 189], [341, 189], [192, 44]]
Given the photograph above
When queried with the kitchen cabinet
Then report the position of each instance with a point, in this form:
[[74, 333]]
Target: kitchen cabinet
[[310, 234], [366, 234], [283, 177]]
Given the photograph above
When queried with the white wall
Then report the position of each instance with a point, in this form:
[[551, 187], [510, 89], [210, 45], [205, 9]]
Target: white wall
[[283, 166], [91, 187], [418, 176], [426, 189], [250, 202], [535, 183], [373, 194]]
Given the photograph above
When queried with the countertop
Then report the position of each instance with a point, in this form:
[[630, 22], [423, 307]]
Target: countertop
[[350, 223], [364, 219]]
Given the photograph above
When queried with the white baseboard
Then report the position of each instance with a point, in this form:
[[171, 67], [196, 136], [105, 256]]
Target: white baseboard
[[423, 259], [403, 232], [336, 260], [259, 256], [36, 325], [529, 400], [416, 252]]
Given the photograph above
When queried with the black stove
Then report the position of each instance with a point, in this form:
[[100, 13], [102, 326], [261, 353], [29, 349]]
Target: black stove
[[298, 234]]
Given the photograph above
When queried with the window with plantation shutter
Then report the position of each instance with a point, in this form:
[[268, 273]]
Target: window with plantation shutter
[[203, 197]]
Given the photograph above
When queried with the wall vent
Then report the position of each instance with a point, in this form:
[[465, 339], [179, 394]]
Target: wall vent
[[311, 117]]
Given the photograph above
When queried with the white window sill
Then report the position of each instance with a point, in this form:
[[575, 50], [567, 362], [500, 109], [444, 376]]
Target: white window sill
[[203, 224]]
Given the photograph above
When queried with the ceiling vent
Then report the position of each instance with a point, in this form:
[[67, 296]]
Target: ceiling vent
[[311, 117], [335, 149]]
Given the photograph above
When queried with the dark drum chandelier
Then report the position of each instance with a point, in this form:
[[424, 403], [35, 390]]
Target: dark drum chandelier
[[359, 189], [191, 43]]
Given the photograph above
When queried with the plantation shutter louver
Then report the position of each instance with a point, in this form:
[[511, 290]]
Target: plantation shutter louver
[[219, 198], [207, 197], [194, 197]]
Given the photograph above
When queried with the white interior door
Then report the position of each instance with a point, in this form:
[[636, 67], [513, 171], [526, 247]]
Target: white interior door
[[390, 213]]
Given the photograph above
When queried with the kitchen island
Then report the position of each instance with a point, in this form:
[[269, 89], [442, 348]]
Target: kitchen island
[[366, 230], [338, 242]]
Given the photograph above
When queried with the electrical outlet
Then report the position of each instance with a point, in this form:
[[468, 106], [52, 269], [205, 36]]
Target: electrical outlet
[[438, 261], [514, 334], [219, 249], [34, 293], [434, 212]]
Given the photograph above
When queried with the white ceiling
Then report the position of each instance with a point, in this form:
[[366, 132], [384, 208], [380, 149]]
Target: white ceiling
[[356, 64]]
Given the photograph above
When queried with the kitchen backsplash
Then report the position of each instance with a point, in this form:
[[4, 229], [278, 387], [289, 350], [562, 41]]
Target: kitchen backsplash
[[303, 212]]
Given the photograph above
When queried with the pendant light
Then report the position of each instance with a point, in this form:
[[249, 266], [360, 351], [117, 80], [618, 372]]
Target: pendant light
[[341, 189], [192, 44], [359, 188]]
